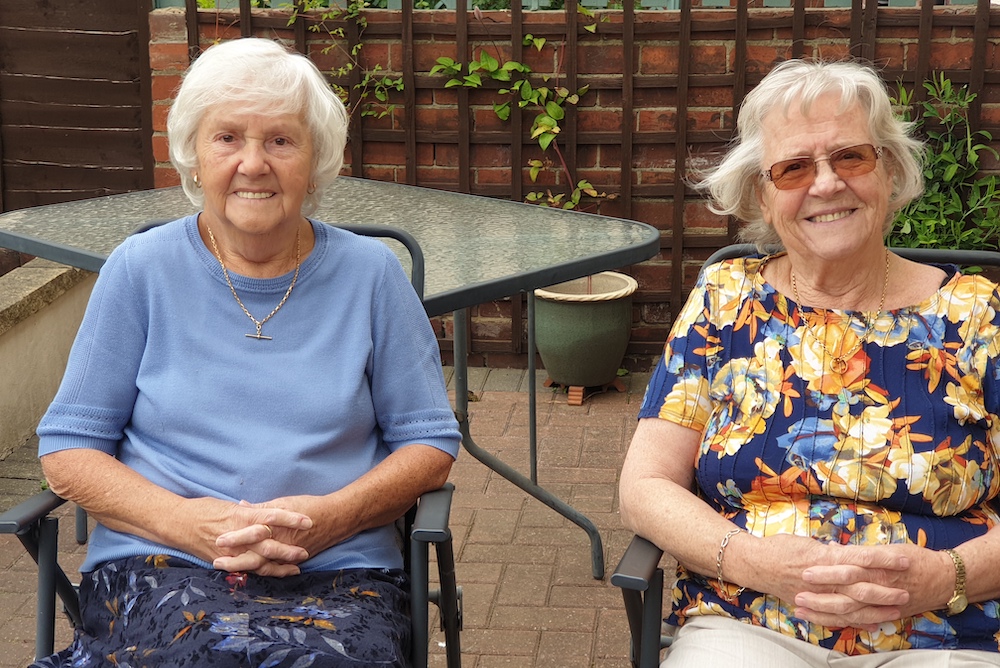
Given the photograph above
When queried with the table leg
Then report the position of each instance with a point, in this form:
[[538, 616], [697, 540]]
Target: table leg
[[520, 480]]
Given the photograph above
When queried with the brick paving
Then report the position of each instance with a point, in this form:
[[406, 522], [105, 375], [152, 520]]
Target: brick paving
[[530, 598]]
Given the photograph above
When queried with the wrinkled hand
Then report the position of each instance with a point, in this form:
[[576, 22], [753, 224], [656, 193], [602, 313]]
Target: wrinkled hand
[[259, 538], [852, 591], [837, 585]]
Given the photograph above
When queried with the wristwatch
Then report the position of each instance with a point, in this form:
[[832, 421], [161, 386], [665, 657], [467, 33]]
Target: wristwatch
[[958, 601]]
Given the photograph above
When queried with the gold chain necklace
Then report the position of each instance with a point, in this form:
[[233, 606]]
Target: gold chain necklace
[[225, 273], [839, 363]]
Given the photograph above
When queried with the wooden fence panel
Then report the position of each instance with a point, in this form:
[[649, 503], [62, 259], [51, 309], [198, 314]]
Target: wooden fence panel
[[75, 117]]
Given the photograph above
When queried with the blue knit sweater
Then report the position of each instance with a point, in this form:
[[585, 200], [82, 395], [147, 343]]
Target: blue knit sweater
[[162, 377]]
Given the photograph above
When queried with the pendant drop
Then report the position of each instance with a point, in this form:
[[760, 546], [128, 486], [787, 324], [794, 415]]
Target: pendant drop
[[838, 365]]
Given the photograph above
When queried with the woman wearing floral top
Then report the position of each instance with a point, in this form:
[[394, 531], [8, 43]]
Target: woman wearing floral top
[[817, 445]]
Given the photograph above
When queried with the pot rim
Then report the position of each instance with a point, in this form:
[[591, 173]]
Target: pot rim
[[631, 285]]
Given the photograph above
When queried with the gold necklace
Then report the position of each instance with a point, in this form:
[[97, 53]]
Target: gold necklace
[[839, 363], [225, 273]]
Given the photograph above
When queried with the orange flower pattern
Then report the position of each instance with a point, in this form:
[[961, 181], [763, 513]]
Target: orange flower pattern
[[898, 448]]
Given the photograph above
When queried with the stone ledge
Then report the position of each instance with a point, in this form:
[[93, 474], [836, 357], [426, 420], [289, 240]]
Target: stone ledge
[[30, 288]]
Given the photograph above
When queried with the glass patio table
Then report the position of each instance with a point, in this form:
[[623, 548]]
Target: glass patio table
[[475, 250]]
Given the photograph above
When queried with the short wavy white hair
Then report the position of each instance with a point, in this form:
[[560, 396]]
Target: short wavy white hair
[[733, 184], [260, 76]]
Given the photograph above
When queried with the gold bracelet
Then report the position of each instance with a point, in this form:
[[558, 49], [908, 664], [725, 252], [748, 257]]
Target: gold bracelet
[[718, 567]]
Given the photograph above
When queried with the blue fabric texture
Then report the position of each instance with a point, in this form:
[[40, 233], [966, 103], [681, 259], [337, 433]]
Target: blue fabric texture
[[162, 377]]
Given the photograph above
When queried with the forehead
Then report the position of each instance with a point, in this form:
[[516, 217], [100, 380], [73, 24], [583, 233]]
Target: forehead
[[823, 127], [233, 116]]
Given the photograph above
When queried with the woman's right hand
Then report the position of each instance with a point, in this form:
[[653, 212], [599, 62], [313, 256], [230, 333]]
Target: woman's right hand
[[869, 589], [260, 549]]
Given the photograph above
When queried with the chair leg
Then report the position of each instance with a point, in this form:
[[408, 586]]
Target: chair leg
[[48, 542], [449, 601], [652, 619], [419, 602]]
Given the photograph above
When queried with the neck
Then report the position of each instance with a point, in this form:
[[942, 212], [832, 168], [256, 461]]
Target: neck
[[857, 286], [259, 256]]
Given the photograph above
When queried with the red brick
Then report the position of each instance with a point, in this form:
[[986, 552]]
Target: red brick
[[658, 59], [167, 25], [168, 56], [164, 86], [951, 56], [161, 150], [164, 177]]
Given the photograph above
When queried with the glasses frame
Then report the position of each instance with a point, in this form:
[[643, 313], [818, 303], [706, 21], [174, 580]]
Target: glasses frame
[[766, 173]]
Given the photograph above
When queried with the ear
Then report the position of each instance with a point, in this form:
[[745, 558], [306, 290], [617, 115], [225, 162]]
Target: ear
[[763, 195]]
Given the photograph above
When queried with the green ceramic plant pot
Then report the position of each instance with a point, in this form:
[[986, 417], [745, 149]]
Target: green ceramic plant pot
[[582, 328]]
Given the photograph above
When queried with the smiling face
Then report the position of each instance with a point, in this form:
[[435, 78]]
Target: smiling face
[[254, 169], [834, 218]]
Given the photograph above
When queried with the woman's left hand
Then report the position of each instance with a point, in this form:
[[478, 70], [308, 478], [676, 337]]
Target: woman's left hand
[[255, 548], [842, 592]]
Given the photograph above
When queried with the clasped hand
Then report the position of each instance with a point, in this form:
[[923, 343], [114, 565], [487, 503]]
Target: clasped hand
[[859, 586], [270, 540]]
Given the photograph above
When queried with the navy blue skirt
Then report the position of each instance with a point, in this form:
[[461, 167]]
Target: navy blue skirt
[[164, 611]]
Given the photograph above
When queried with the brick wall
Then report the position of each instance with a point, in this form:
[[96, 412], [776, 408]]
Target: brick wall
[[478, 157]]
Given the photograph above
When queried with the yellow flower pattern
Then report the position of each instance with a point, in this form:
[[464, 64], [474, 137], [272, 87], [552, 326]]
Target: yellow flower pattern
[[900, 447]]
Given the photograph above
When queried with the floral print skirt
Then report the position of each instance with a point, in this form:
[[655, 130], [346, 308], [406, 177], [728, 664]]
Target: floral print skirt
[[163, 611]]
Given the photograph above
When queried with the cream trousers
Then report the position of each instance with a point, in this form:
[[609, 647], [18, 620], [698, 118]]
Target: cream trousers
[[719, 642]]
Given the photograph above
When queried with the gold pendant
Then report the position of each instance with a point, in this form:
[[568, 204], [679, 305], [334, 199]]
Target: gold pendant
[[838, 365]]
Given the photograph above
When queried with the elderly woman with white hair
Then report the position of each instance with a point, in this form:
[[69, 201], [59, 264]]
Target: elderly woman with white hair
[[253, 399], [818, 447]]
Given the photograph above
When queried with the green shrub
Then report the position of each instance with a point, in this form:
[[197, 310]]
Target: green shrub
[[960, 207]]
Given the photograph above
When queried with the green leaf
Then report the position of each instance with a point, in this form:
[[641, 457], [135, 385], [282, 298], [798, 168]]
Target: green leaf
[[591, 28], [545, 140], [473, 81], [488, 62], [502, 110], [554, 110]]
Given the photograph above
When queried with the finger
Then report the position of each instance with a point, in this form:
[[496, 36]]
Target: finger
[[255, 533], [869, 618], [848, 599], [256, 563], [841, 575], [881, 556], [279, 517]]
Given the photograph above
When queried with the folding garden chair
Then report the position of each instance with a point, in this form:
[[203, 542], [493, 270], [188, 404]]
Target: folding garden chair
[[425, 524], [639, 575]]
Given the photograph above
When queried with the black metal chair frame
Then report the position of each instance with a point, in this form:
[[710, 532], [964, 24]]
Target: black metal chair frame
[[639, 575], [425, 524]]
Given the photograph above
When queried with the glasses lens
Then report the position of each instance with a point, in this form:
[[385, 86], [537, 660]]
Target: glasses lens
[[794, 173], [853, 160], [846, 162]]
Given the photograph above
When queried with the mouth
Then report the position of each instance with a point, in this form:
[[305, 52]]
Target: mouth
[[244, 194], [831, 217]]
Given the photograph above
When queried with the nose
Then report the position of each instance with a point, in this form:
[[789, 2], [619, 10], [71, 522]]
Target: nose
[[827, 180], [253, 158]]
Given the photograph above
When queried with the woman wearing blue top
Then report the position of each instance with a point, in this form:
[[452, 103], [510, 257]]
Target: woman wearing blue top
[[818, 447], [253, 399]]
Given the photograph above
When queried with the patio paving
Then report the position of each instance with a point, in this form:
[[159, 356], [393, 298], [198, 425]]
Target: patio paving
[[530, 599]]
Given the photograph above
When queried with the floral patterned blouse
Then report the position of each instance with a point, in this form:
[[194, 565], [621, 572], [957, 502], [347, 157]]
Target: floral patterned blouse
[[899, 447]]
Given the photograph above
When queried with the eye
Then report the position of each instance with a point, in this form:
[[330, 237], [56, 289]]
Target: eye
[[227, 138], [281, 141], [790, 167]]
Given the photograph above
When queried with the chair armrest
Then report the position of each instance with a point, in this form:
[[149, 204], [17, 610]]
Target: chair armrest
[[24, 515], [637, 565], [430, 525]]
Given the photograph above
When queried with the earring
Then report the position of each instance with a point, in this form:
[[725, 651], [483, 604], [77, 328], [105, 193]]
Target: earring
[[311, 189], [197, 181]]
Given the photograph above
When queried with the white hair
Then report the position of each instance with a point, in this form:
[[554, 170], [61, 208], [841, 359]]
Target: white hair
[[263, 77]]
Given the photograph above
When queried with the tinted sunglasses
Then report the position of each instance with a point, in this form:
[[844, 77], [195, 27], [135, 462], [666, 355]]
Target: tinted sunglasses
[[801, 172]]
